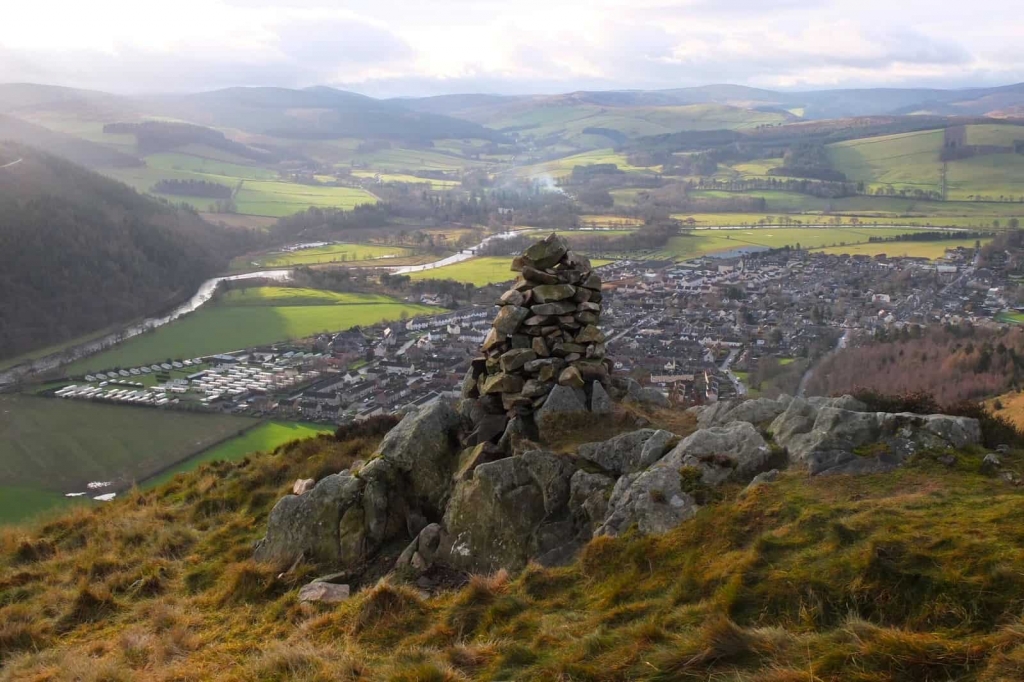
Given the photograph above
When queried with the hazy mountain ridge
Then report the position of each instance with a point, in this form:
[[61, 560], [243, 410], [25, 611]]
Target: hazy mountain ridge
[[838, 103]]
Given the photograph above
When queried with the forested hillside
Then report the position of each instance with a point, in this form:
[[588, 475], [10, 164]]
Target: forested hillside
[[951, 363], [79, 252]]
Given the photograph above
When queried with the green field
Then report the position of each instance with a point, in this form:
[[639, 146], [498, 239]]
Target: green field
[[52, 447], [911, 160], [237, 321], [226, 171], [263, 438], [259, 194], [564, 166], [1012, 318], [981, 221], [333, 253], [299, 296], [931, 250], [479, 271], [278, 199], [704, 242], [569, 121], [989, 134], [904, 160], [410, 179]]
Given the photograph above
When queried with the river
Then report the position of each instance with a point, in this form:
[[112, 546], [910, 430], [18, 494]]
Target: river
[[202, 296]]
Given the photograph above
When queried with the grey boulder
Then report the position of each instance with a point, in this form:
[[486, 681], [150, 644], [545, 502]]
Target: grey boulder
[[422, 448], [307, 526], [734, 452], [628, 452]]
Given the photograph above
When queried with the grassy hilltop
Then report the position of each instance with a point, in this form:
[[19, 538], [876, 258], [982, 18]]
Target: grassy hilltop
[[910, 575]]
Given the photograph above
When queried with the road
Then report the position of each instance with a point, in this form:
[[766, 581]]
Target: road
[[741, 389], [12, 163]]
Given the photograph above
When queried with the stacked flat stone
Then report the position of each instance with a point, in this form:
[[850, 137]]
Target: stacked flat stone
[[545, 334]]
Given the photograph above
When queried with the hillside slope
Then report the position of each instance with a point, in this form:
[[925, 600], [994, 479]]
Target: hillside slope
[[79, 252], [908, 575], [314, 113]]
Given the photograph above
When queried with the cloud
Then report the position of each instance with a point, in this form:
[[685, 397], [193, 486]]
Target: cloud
[[417, 47]]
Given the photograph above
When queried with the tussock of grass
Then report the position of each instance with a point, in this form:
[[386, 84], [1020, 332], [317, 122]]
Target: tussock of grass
[[386, 604], [911, 575], [248, 583], [89, 605]]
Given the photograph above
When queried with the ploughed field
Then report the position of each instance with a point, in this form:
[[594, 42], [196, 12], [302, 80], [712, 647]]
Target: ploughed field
[[242, 318]]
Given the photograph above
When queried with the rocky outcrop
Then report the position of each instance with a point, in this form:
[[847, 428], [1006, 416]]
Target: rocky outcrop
[[421, 448], [735, 452], [628, 453], [307, 526], [653, 500], [345, 518], [759, 412], [489, 506], [837, 435], [511, 511]]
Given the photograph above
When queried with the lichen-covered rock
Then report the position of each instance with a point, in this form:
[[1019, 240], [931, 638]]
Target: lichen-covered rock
[[600, 401], [549, 293], [422, 447], [758, 411], [843, 402], [546, 252], [652, 500], [735, 452], [632, 391], [588, 499], [845, 441], [491, 518], [798, 418], [761, 479], [421, 553], [516, 359], [511, 511], [571, 377], [629, 452], [561, 401], [306, 526], [590, 334], [508, 319], [473, 457], [501, 383]]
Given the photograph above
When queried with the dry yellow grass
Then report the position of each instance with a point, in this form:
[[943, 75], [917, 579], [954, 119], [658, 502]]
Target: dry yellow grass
[[911, 575]]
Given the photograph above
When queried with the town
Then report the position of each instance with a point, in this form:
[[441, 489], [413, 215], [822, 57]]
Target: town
[[698, 331]]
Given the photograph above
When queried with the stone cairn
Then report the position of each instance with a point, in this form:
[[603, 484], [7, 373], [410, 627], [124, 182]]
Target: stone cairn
[[544, 337]]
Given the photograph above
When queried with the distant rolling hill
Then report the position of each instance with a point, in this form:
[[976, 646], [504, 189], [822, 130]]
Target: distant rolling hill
[[315, 113], [79, 150], [590, 119], [819, 104], [79, 252]]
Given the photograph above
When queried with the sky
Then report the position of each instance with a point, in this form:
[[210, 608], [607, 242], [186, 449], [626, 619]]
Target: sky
[[428, 47]]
